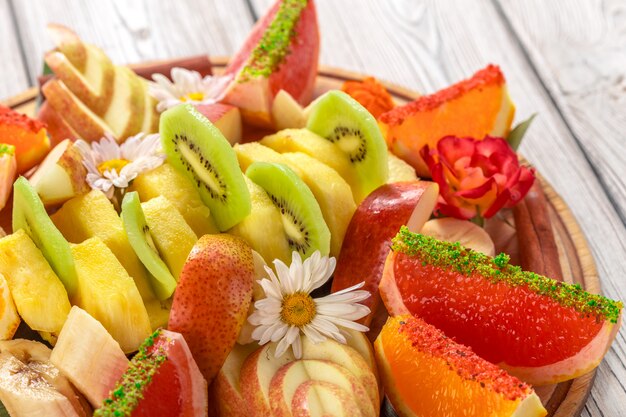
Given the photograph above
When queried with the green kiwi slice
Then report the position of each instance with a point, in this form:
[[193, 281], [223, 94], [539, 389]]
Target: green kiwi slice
[[198, 149], [341, 120], [138, 232], [30, 215], [302, 217]]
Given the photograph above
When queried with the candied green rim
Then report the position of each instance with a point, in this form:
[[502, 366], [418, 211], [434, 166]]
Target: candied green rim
[[7, 149], [453, 256]]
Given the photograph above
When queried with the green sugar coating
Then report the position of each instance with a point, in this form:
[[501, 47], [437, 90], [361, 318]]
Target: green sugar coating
[[7, 149], [274, 44], [125, 397], [465, 261]]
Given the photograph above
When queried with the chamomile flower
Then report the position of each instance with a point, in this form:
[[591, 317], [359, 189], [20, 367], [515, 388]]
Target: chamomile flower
[[187, 87], [289, 310], [111, 165]]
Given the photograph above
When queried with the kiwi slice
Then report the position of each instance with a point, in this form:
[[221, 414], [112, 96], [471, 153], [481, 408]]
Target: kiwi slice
[[30, 215], [197, 148], [302, 218], [341, 120], [138, 232]]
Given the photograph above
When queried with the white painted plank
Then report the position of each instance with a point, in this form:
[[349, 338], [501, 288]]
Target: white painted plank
[[14, 78], [136, 30], [579, 50], [427, 45]]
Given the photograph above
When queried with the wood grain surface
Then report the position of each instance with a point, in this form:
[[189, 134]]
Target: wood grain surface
[[563, 60]]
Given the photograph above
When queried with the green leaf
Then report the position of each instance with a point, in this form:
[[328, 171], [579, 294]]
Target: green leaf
[[518, 132], [46, 69]]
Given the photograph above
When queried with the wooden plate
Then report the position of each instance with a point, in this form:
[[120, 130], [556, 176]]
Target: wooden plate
[[566, 399]]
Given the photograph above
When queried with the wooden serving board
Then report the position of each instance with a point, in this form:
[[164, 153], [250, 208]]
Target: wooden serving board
[[566, 399]]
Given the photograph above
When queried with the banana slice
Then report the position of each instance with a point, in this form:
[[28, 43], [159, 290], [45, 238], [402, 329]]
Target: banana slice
[[465, 232], [31, 386], [9, 319]]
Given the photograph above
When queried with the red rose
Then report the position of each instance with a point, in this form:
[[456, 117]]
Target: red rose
[[476, 177]]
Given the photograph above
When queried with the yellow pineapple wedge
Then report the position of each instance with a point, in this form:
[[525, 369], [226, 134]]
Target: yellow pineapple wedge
[[109, 294], [39, 295], [171, 235], [250, 152], [9, 319], [93, 215], [167, 182]]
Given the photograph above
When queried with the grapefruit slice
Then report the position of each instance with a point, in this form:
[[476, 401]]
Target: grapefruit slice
[[28, 136], [475, 107], [426, 373], [538, 329], [161, 380], [281, 53]]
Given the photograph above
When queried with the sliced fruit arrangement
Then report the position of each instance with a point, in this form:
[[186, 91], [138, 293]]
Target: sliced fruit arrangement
[[162, 380], [212, 299], [427, 373], [61, 176], [28, 136], [199, 150], [8, 170], [30, 385], [475, 107], [302, 218], [376, 221], [92, 96], [280, 53], [538, 329], [94, 375]]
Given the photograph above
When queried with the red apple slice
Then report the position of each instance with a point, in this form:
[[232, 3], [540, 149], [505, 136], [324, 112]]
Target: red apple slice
[[225, 117], [226, 390], [288, 378], [321, 399], [61, 175], [290, 63], [375, 222], [465, 232], [8, 169], [58, 129], [287, 113]]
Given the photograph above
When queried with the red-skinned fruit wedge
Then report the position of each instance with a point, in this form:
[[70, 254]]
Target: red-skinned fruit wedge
[[212, 299], [162, 380], [475, 107], [57, 127], [376, 221], [281, 53], [541, 330], [27, 135], [426, 373], [225, 117], [8, 169]]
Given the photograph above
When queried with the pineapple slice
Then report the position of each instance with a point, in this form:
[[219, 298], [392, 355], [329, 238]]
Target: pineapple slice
[[39, 295], [169, 183], [9, 319], [109, 294], [93, 215], [171, 235]]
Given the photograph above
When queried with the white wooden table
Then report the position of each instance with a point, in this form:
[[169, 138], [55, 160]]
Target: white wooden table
[[565, 60]]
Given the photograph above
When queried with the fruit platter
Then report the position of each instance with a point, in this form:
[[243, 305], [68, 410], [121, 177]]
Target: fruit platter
[[258, 235]]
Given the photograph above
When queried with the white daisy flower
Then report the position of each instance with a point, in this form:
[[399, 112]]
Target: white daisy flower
[[188, 87], [111, 165], [289, 310]]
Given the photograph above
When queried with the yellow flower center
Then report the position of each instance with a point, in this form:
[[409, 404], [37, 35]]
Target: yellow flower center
[[195, 96], [112, 164], [298, 309]]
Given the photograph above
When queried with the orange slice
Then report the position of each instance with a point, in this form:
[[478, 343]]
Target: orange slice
[[27, 135], [426, 373], [475, 107]]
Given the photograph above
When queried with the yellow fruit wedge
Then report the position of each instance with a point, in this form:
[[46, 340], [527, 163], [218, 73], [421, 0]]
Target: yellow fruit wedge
[[263, 228], [171, 235], [39, 295], [109, 294], [399, 170], [9, 319], [250, 152], [167, 182], [93, 215]]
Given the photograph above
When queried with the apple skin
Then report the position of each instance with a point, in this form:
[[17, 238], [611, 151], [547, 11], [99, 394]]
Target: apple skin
[[58, 129], [294, 374], [68, 42], [330, 395], [79, 117], [376, 221], [212, 299], [225, 117], [225, 392]]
